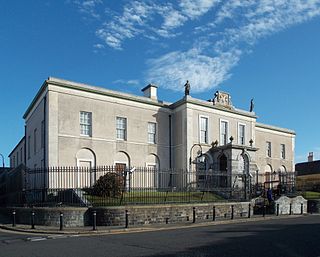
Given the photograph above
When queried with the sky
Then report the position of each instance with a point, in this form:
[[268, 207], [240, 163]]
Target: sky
[[267, 50]]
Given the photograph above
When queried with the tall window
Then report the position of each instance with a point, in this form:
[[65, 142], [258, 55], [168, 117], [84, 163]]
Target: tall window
[[121, 128], [42, 134], [268, 149], [29, 146], [223, 132], [35, 141], [151, 133], [86, 124], [204, 130], [241, 134], [21, 155], [283, 151]]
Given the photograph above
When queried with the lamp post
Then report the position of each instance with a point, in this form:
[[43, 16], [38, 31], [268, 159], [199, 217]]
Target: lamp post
[[190, 158], [2, 160]]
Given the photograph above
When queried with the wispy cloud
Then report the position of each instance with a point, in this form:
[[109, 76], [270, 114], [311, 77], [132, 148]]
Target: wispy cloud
[[218, 32], [173, 69], [88, 7], [130, 82]]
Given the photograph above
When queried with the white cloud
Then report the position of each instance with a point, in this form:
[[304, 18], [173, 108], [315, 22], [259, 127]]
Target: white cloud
[[204, 72], [88, 7], [196, 8], [130, 82], [216, 55], [222, 31]]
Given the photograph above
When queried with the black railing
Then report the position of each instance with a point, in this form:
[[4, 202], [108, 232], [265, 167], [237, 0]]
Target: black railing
[[111, 186]]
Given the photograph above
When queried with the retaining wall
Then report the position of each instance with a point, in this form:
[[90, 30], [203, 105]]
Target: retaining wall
[[72, 217], [175, 213]]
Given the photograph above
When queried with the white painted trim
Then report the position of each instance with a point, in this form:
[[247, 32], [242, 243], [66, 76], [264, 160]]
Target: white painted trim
[[228, 130], [199, 128], [156, 133], [85, 160], [245, 133], [126, 129]]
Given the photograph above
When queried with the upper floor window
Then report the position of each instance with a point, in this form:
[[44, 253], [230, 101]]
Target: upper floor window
[[151, 133], [241, 131], [121, 128], [268, 149], [223, 132], [204, 130], [282, 151], [29, 146], [86, 124], [35, 141], [42, 134], [21, 155]]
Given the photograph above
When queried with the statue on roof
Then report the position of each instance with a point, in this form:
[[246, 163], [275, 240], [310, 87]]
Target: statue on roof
[[215, 97], [187, 88], [251, 105]]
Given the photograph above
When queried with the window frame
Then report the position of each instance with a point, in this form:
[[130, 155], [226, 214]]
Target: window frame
[[121, 129], [244, 133], [35, 141], [283, 151], [206, 141], [87, 126], [152, 134], [268, 149], [227, 132]]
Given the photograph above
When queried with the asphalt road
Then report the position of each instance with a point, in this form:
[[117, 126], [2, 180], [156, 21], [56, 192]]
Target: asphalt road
[[292, 237]]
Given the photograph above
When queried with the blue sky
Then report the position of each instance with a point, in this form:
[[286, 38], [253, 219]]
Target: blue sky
[[268, 50]]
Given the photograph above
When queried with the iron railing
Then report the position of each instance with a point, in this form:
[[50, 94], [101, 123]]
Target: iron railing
[[77, 186]]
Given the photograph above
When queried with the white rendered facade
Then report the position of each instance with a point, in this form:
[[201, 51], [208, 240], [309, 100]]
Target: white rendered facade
[[73, 124]]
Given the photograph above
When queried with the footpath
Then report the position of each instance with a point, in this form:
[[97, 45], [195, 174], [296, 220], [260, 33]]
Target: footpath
[[88, 230]]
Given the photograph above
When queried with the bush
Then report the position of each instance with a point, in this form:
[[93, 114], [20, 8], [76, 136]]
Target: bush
[[109, 185]]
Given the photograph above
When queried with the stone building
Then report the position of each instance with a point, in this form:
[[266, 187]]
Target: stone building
[[74, 124]]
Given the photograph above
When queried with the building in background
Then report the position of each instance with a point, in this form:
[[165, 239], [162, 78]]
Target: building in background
[[308, 174], [74, 124]]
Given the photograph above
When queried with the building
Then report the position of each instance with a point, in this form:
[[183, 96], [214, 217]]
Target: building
[[308, 174], [74, 124]]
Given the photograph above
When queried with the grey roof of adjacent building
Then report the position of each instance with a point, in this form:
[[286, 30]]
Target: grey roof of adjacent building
[[308, 168]]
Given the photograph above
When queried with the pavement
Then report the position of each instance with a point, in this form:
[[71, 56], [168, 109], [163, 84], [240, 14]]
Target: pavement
[[88, 230]]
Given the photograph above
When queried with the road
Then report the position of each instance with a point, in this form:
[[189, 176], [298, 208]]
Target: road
[[292, 237]]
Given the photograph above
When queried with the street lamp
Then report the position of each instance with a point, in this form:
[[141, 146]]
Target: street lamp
[[2, 160], [190, 159]]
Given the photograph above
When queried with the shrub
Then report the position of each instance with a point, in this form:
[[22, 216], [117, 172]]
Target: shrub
[[109, 185]]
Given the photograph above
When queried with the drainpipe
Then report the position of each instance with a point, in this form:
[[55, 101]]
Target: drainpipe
[[170, 143], [44, 131]]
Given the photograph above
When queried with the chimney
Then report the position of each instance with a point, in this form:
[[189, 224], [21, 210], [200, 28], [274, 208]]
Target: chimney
[[150, 91], [310, 157]]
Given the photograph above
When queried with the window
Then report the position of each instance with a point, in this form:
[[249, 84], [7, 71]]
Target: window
[[21, 155], [241, 131], [268, 149], [42, 134], [29, 146], [17, 158], [121, 128], [204, 130], [283, 151], [86, 124], [151, 133], [223, 132], [35, 141]]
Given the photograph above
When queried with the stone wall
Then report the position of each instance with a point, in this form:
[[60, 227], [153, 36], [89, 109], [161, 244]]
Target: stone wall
[[72, 217], [177, 213]]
